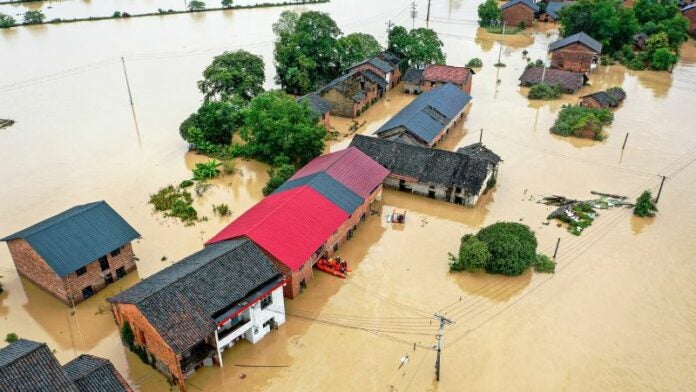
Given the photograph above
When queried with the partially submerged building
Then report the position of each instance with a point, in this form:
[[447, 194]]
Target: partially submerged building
[[351, 94], [320, 107], [412, 81], [553, 10], [26, 365], [188, 314], [576, 53], [517, 12], [76, 253], [457, 177], [434, 76], [568, 81], [311, 215], [385, 65], [610, 98], [427, 118]]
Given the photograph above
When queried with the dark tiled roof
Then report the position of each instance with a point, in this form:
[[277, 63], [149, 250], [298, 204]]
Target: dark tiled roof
[[76, 237], [330, 188], [181, 301], [528, 3], [94, 374], [427, 165], [570, 82], [428, 114], [377, 63], [554, 8], [479, 151], [31, 366], [319, 105], [390, 57], [579, 37], [341, 83], [375, 78], [413, 75], [609, 98]]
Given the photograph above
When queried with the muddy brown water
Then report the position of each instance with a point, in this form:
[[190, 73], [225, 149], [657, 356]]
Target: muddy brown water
[[618, 315]]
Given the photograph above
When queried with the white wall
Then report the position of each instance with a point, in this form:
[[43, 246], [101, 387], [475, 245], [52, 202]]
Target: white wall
[[258, 316]]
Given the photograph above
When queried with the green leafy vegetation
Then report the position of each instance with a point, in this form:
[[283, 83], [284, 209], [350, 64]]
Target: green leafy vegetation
[[6, 21], [475, 63], [545, 91], [34, 17], [417, 48], [11, 337], [186, 184], [237, 74], [196, 5], [579, 216], [507, 248], [489, 13], [228, 166], [222, 210], [645, 205], [213, 123], [227, 3], [128, 338], [507, 30], [207, 170], [356, 47], [544, 264], [175, 203], [581, 121], [278, 175]]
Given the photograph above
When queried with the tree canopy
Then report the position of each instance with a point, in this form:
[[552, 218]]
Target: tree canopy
[[238, 74], [419, 47], [489, 13], [279, 130], [34, 17], [356, 47], [607, 21], [196, 5], [645, 206], [305, 50], [214, 122], [6, 21]]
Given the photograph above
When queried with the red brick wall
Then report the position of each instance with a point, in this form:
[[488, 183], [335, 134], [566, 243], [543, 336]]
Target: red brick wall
[[574, 57], [428, 85], [591, 103], [154, 343], [33, 267], [512, 16], [369, 67], [691, 16], [94, 276]]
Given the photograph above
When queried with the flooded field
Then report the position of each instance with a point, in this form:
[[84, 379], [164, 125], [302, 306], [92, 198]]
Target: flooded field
[[619, 314]]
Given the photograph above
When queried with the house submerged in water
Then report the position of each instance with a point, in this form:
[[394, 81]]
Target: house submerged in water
[[457, 177]]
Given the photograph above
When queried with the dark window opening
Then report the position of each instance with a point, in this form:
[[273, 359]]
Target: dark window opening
[[335, 247], [108, 279], [266, 302], [87, 292], [115, 252], [268, 323], [104, 263], [81, 271], [121, 272]]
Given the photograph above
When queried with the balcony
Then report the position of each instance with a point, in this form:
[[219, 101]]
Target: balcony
[[236, 330]]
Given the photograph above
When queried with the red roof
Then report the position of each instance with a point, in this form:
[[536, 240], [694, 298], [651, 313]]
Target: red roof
[[289, 225], [351, 167], [446, 73]]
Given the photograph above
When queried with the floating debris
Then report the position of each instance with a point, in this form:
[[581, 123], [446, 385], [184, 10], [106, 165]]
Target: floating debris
[[579, 214], [5, 123]]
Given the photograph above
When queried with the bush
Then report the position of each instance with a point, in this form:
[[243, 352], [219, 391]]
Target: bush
[[127, 334], [663, 59], [512, 247], [645, 206], [206, 171], [475, 63], [11, 337], [117, 14], [473, 255], [175, 203], [227, 3], [34, 17], [186, 184], [544, 264], [635, 64], [544, 91], [200, 188], [581, 121], [539, 63], [6, 21], [228, 166], [279, 174], [222, 210]]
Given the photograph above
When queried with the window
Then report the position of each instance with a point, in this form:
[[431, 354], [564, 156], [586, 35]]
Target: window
[[266, 302], [267, 323], [87, 292], [115, 252], [81, 271], [104, 263], [120, 273]]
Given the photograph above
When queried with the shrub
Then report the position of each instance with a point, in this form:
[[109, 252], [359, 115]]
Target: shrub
[[206, 171], [539, 63], [34, 17], [186, 184], [228, 166], [127, 335], [175, 203], [663, 59], [645, 206], [227, 3], [117, 14], [522, 25], [635, 64], [581, 121], [11, 337], [512, 247], [473, 255], [544, 91], [222, 210], [475, 63], [544, 264], [6, 21], [279, 174], [200, 188]]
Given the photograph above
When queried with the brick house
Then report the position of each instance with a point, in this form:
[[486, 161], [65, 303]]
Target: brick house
[[437, 75], [428, 118], [689, 13], [577, 53], [457, 177], [553, 10], [312, 214], [26, 365], [320, 107], [412, 81], [351, 94], [185, 316], [386, 65], [76, 253], [610, 98], [568, 81], [516, 12]]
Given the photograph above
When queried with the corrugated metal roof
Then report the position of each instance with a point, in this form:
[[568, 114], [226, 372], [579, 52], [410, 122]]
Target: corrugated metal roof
[[428, 114], [289, 225], [351, 167], [579, 37], [30, 366], [529, 3], [76, 237], [329, 187]]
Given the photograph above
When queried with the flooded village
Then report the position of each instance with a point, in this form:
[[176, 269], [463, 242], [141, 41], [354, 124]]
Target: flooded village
[[232, 301]]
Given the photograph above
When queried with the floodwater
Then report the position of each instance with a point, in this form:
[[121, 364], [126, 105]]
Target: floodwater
[[619, 314]]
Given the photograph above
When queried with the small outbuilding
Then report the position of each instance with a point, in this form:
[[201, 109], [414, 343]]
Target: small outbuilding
[[351, 94], [412, 81], [76, 253], [553, 10], [610, 98], [569, 82], [517, 12], [577, 53], [320, 107]]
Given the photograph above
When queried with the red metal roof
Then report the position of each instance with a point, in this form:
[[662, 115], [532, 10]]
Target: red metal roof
[[446, 73], [290, 225], [351, 167]]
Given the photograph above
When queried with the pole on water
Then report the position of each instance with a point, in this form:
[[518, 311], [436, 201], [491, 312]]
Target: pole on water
[[440, 334], [500, 52], [625, 140], [555, 252], [125, 73], [481, 136], [427, 17], [657, 199]]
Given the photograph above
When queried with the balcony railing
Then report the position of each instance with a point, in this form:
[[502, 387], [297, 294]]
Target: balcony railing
[[229, 334]]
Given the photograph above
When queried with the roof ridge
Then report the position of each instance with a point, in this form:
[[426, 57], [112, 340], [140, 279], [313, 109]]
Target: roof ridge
[[38, 346], [89, 206], [100, 365]]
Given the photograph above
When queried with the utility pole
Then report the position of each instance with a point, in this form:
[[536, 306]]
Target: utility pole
[[125, 73], [414, 14], [657, 199], [440, 334], [625, 140], [555, 252], [427, 17], [390, 24], [481, 136], [500, 52]]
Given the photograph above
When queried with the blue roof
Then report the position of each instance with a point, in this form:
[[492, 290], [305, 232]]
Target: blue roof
[[688, 7], [76, 237], [554, 8], [529, 3], [430, 113], [327, 186]]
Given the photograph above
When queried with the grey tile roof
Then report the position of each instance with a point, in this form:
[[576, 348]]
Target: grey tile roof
[[554, 8], [529, 3], [390, 57], [579, 37], [413, 75], [377, 63], [375, 78], [427, 165], [78, 236], [569, 81], [319, 105], [327, 186], [94, 374], [182, 301], [479, 151], [31, 366], [428, 114], [607, 98]]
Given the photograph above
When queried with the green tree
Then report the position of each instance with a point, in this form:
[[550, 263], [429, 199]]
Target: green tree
[[305, 51], [512, 247], [645, 206], [278, 175], [418, 47], [489, 13], [276, 127], [663, 59], [654, 10], [196, 5], [473, 255], [214, 122], [676, 29], [6, 21], [227, 3], [11, 337], [233, 74], [605, 20], [356, 47], [399, 41], [127, 334], [34, 17]]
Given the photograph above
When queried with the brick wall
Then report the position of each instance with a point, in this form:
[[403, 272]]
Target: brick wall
[[591, 102], [31, 266], [428, 85], [691, 16], [574, 57], [94, 276], [167, 361], [513, 16], [343, 103]]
